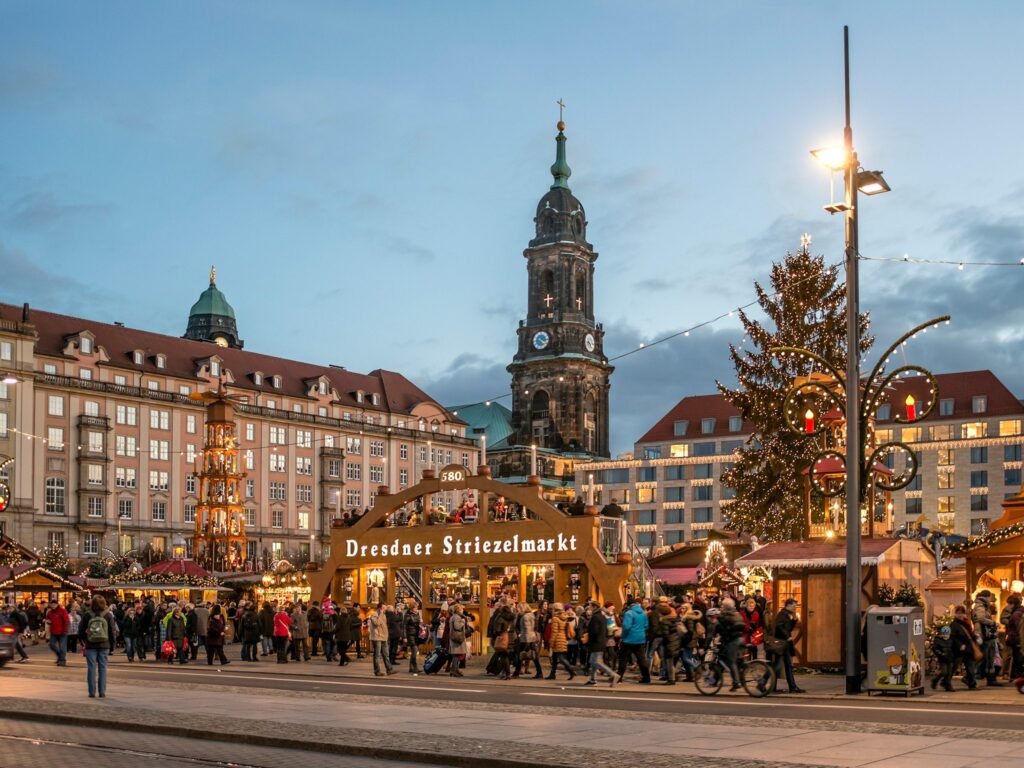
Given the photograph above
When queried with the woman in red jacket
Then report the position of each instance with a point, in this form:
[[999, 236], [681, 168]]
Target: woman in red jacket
[[753, 626], [282, 633]]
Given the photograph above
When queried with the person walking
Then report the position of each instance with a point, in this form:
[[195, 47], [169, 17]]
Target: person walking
[[597, 640], [730, 632], [666, 630], [343, 624], [249, 629], [379, 642], [396, 632], [1010, 618], [315, 617], [411, 623], [98, 632], [215, 631], [457, 638], [784, 631], [559, 639], [300, 633], [266, 629], [328, 624], [529, 651], [199, 626], [634, 641], [987, 636], [74, 624], [282, 633], [963, 645], [753, 626], [58, 622], [942, 650], [130, 633], [502, 625], [358, 625], [177, 633]]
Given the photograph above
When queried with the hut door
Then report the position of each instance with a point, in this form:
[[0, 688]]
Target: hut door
[[824, 618]]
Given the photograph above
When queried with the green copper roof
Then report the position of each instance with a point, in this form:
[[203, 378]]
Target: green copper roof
[[494, 420], [212, 302], [560, 170]]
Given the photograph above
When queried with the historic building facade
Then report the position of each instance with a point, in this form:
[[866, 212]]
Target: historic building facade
[[559, 372], [969, 453], [104, 434]]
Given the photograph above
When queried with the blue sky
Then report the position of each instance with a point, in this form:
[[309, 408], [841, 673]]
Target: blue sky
[[364, 176]]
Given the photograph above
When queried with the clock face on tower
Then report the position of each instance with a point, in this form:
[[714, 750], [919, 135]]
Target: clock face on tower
[[541, 339], [589, 343]]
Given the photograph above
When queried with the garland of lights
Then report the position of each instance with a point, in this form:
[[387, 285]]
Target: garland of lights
[[998, 536], [166, 578], [809, 400]]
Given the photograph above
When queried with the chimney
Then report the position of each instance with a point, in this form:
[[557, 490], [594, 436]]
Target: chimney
[[25, 314]]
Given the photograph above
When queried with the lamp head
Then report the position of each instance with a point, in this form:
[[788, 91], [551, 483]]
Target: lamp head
[[9, 378], [833, 158], [872, 183]]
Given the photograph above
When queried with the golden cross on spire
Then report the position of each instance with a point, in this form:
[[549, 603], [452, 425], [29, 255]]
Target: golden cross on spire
[[561, 120]]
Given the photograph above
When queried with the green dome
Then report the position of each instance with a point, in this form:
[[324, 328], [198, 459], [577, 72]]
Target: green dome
[[212, 302]]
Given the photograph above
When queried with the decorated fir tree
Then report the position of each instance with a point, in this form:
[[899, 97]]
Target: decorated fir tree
[[804, 307]]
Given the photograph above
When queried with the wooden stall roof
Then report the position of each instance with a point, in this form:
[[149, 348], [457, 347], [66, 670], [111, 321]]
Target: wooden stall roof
[[814, 554]]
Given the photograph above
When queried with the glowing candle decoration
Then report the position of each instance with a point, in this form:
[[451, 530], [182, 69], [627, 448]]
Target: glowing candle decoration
[[911, 408], [809, 422]]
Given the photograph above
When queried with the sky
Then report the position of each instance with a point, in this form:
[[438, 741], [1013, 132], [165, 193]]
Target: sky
[[365, 175]]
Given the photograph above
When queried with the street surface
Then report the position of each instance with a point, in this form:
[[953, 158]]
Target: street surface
[[483, 721]]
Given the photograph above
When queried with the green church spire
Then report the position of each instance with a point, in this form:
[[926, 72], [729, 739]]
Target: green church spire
[[560, 170]]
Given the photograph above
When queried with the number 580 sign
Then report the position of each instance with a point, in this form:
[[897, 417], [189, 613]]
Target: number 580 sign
[[453, 476]]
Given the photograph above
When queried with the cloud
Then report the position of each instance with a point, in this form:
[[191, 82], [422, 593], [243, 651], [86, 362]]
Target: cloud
[[25, 81], [404, 248], [24, 280], [469, 378], [40, 210], [655, 284]]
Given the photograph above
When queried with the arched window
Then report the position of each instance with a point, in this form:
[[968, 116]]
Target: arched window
[[590, 423], [423, 425], [547, 293], [435, 425], [581, 291], [540, 419]]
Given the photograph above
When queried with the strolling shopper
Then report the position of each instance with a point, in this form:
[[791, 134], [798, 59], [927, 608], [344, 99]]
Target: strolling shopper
[[215, 632], [560, 628], [99, 633], [597, 640], [634, 640], [379, 642], [249, 629], [412, 621], [58, 621], [784, 631], [282, 633], [346, 624]]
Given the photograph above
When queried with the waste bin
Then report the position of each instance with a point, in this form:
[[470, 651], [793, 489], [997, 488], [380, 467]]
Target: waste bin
[[895, 649]]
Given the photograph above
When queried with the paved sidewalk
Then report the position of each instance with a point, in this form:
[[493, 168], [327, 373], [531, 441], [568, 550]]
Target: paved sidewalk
[[475, 735]]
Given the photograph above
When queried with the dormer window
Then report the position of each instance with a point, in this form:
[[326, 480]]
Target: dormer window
[[359, 396], [161, 361], [375, 398], [257, 379], [322, 387], [85, 345], [214, 368], [276, 382], [138, 357]]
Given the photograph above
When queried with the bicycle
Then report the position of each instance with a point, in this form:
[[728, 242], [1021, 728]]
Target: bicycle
[[757, 677]]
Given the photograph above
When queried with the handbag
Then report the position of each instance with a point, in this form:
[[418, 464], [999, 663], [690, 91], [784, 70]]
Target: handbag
[[501, 641], [775, 646], [976, 650], [757, 636]]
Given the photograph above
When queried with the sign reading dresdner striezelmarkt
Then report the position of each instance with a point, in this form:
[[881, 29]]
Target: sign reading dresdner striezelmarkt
[[471, 545]]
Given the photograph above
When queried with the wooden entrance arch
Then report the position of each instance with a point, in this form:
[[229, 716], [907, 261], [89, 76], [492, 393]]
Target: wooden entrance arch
[[370, 547]]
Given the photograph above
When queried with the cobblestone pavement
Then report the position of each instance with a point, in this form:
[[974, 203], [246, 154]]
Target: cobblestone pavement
[[46, 744]]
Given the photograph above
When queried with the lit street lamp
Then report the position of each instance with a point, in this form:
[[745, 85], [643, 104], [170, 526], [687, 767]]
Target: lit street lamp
[[870, 183]]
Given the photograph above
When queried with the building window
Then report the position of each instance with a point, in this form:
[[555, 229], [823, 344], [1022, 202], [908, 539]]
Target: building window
[[974, 429], [126, 414], [376, 474], [85, 374], [91, 544], [703, 493], [95, 474], [941, 432], [884, 412], [674, 516], [1011, 477], [50, 369], [159, 511], [125, 477], [190, 484], [334, 467], [403, 477], [913, 507], [55, 438], [728, 492], [979, 502], [125, 446], [675, 472], [250, 517], [159, 449], [55, 539], [277, 518], [214, 368], [946, 480], [645, 517], [354, 445], [277, 462], [190, 513], [55, 496], [979, 525], [675, 493], [703, 515], [403, 451], [353, 472], [55, 405], [979, 479], [6, 350], [95, 442], [1011, 452], [1009, 427], [979, 454], [703, 471], [679, 428], [304, 438], [911, 434], [707, 426], [352, 497], [945, 457], [157, 481], [95, 506], [979, 404], [278, 492], [735, 423], [679, 450], [278, 435], [120, 380], [946, 406], [377, 448], [303, 465], [304, 494], [125, 508], [250, 489], [705, 449], [652, 452], [646, 474], [250, 431], [645, 496], [303, 520]]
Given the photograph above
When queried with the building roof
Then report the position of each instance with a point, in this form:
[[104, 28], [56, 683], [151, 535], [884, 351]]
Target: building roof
[[692, 409], [961, 387], [814, 554], [212, 302], [491, 419], [177, 568], [182, 358]]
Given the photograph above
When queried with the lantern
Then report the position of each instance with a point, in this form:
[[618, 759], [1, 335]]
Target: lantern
[[809, 422], [911, 408]]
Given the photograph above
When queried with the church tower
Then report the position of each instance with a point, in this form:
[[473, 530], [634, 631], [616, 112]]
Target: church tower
[[212, 318], [560, 374]]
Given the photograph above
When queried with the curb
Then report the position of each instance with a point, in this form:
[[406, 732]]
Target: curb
[[281, 742]]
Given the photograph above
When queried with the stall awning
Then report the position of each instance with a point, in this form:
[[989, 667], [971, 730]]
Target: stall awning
[[814, 554], [30, 577], [676, 575]]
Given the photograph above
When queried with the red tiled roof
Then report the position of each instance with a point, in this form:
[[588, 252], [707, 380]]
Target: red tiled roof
[[177, 568], [961, 387], [397, 393], [818, 551], [693, 409]]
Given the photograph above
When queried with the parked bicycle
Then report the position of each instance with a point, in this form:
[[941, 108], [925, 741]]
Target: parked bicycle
[[757, 677]]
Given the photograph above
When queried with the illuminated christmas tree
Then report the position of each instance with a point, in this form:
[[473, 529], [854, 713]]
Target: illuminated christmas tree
[[805, 307]]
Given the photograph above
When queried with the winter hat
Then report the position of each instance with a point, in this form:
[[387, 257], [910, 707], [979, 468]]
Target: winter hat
[[947, 630], [609, 604]]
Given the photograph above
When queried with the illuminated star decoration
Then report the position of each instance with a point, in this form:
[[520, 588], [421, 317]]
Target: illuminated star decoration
[[805, 241]]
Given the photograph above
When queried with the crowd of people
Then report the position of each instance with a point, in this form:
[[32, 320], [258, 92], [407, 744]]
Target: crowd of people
[[664, 638]]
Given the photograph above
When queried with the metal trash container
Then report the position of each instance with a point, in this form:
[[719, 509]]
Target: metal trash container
[[895, 649]]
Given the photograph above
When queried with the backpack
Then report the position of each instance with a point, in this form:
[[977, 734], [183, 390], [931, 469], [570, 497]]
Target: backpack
[[97, 630]]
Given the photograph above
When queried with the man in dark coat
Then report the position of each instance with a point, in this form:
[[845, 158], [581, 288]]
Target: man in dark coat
[[266, 629], [345, 625], [315, 617], [786, 624], [396, 632]]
